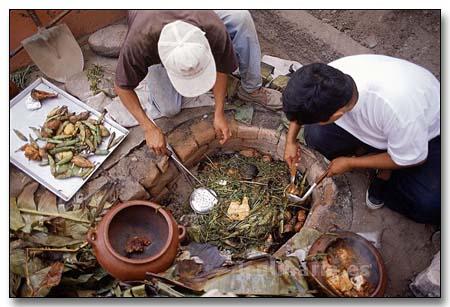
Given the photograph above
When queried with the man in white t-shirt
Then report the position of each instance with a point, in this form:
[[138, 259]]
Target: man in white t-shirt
[[375, 112]]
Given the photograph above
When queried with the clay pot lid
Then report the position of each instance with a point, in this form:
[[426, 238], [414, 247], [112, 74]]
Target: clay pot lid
[[134, 221]]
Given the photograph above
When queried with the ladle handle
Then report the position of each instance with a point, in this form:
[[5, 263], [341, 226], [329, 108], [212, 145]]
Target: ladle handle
[[293, 170], [322, 177]]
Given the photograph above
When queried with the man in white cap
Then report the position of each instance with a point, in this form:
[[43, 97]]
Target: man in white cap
[[187, 53]]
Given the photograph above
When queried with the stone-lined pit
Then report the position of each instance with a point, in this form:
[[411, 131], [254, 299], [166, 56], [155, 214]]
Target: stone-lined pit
[[196, 137], [142, 175]]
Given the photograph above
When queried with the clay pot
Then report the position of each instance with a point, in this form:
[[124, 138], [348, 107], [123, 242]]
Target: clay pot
[[378, 275], [136, 218]]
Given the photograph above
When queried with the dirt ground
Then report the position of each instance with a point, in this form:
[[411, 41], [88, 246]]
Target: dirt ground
[[406, 246], [413, 35]]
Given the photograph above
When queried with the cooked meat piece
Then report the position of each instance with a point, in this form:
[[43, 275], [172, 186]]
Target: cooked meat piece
[[136, 244]]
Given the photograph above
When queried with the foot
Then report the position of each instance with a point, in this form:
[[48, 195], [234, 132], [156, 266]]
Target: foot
[[266, 97], [374, 195]]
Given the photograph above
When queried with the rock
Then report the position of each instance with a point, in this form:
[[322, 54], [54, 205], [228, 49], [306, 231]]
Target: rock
[[428, 282], [163, 180], [371, 41], [78, 85], [138, 167], [134, 139], [162, 163], [436, 240], [248, 171], [93, 186], [99, 101], [279, 83], [183, 144], [108, 41], [247, 132], [267, 158], [282, 66], [268, 135], [118, 112], [197, 156], [249, 153], [203, 132], [203, 100], [151, 175], [132, 190]]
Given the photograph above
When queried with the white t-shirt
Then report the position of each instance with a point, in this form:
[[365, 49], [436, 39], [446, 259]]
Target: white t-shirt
[[398, 109]]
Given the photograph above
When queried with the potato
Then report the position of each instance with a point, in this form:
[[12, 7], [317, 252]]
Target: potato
[[69, 129]]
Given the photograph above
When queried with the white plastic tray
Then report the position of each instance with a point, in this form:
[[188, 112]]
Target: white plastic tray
[[21, 119]]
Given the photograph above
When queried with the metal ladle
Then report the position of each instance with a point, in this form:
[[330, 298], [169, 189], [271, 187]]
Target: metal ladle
[[202, 199], [300, 200]]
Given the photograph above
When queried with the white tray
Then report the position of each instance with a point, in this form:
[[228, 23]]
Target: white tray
[[21, 119]]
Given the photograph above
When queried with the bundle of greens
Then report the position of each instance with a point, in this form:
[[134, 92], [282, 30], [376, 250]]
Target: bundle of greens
[[252, 211]]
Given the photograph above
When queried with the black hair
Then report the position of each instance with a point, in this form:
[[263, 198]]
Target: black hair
[[315, 92]]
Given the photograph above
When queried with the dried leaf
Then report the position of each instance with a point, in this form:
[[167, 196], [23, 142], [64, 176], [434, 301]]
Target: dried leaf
[[74, 229], [26, 198], [17, 262], [80, 280], [14, 284], [139, 291], [15, 218], [56, 225], [187, 269], [26, 201], [117, 291], [47, 202], [45, 279], [86, 293], [50, 240]]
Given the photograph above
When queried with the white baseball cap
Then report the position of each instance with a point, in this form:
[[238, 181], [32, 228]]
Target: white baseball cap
[[185, 53]]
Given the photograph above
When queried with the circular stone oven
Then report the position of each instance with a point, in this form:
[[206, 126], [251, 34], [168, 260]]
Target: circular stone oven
[[192, 140]]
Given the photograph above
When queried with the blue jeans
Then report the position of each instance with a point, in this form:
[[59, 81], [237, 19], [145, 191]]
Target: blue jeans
[[413, 191], [166, 101]]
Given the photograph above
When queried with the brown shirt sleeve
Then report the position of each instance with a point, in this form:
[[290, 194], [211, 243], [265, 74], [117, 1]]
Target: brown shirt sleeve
[[133, 63]]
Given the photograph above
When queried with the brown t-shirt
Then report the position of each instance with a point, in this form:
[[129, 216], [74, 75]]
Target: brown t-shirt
[[140, 48]]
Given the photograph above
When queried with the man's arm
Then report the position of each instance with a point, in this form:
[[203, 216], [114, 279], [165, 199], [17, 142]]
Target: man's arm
[[153, 134], [380, 161], [292, 148], [220, 122]]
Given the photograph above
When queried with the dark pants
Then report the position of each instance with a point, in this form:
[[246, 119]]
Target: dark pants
[[412, 191]]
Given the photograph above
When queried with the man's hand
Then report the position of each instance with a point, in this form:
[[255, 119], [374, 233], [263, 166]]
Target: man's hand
[[153, 135], [339, 166], [156, 140], [222, 130], [292, 153]]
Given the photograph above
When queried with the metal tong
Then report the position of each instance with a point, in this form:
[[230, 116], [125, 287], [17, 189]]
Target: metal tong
[[300, 200]]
